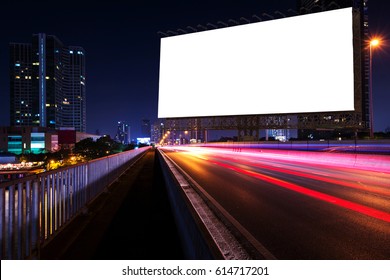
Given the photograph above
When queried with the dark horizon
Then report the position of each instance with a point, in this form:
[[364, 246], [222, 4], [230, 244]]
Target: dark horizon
[[122, 43]]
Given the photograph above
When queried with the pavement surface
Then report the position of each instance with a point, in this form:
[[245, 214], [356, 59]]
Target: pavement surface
[[132, 220]]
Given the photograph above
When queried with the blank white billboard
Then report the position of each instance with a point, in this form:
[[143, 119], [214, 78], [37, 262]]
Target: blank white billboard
[[299, 64]]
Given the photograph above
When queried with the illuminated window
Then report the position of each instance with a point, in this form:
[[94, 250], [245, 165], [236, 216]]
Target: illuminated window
[[37, 142], [47, 77], [17, 64], [17, 77], [71, 52], [15, 144], [35, 63]]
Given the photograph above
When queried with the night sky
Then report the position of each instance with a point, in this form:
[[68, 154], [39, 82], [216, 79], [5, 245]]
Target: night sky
[[123, 48]]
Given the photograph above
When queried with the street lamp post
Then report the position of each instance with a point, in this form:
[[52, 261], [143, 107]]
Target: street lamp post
[[373, 43]]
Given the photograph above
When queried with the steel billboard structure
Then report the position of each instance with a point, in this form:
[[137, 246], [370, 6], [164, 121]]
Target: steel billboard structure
[[249, 124]]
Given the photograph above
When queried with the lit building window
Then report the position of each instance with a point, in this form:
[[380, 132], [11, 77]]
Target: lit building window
[[71, 52], [47, 77], [15, 143], [17, 77], [37, 142], [17, 64]]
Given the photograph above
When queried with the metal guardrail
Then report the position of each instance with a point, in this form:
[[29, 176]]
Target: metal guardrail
[[33, 209]]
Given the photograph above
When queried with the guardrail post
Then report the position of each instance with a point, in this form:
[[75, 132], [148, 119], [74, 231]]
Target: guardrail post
[[2, 223], [27, 222], [11, 223], [35, 232], [20, 216]]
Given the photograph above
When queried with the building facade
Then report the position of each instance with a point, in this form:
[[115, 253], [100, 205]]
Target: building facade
[[47, 84], [123, 133], [28, 139], [146, 128]]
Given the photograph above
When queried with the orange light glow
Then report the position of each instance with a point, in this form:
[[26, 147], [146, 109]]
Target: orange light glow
[[374, 42]]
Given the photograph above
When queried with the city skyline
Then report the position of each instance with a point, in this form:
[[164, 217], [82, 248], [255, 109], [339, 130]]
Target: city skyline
[[47, 81], [122, 45]]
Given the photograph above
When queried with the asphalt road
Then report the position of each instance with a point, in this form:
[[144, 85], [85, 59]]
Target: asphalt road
[[297, 210]]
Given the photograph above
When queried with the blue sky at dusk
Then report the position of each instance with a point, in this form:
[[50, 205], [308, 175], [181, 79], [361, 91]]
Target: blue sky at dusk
[[123, 48]]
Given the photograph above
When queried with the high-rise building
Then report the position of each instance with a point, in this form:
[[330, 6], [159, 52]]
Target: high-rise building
[[123, 133], [146, 128], [74, 113], [47, 84], [157, 130]]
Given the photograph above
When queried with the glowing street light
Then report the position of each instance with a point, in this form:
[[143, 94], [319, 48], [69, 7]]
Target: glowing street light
[[373, 43]]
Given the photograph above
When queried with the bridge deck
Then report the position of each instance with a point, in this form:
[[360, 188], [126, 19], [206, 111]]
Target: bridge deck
[[132, 220]]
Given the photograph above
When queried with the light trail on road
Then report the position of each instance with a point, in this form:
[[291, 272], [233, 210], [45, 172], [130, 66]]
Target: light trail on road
[[261, 188]]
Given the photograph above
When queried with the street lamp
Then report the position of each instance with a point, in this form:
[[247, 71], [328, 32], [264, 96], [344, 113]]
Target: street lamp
[[373, 43]]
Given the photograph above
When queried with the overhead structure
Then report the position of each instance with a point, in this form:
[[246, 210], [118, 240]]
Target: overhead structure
[[294, 72]]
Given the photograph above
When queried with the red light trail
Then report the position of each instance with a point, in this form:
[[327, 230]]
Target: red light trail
[[315, 194]]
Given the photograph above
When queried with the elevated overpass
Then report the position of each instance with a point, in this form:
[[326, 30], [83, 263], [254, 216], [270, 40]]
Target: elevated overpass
[[146, 207]]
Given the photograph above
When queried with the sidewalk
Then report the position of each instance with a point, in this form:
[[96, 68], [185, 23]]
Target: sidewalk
[[132, 221]]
